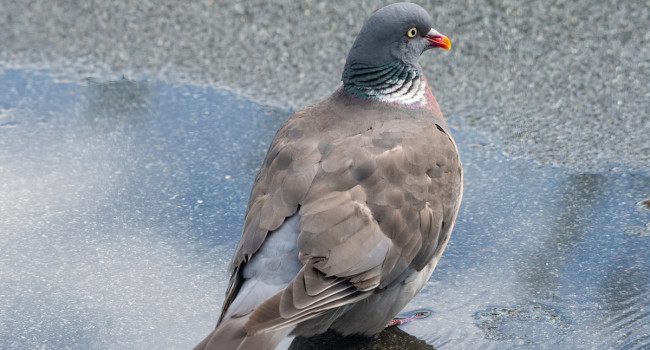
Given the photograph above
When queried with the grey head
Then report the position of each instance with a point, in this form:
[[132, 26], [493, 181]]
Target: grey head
[[387, 49]]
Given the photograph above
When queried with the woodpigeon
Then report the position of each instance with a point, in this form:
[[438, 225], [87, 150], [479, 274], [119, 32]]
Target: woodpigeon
[[354, 203]]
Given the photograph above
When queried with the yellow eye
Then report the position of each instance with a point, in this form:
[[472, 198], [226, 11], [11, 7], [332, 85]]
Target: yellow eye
[[412, 32]]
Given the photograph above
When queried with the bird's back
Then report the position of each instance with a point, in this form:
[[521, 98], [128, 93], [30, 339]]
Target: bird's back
[[376, 188]]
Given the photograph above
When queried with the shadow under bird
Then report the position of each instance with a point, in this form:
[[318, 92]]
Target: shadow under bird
[[354, 203]]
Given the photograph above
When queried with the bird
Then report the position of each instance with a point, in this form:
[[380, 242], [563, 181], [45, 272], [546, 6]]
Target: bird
[[355, 200]]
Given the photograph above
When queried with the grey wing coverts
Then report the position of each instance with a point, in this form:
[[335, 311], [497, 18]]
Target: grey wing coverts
[[377, 189]]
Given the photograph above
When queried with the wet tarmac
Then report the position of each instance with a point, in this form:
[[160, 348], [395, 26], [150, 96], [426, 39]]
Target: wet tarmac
[[122, 202]]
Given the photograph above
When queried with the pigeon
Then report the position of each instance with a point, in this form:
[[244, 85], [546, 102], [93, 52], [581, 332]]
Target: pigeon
[[355, 200]]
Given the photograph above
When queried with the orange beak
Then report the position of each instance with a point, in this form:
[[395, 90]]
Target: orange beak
[[438, 40]]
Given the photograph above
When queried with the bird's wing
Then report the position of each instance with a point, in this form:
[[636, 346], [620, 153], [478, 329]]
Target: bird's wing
[[375, 198]]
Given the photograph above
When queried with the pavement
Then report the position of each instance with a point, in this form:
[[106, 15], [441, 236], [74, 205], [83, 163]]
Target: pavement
[[122, 199], [563, 83]]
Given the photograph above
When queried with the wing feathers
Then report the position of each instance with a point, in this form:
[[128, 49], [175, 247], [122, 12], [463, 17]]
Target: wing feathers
[[301, 299], [326, 219], [316, 283], [294, 304], [296, 185], [320, 243], [327, 201], [372, 195]]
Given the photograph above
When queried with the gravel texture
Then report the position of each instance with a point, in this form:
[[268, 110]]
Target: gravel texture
[[565, 83]]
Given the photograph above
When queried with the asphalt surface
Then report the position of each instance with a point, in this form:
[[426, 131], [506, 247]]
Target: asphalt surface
[[121, 200], [563, 83]]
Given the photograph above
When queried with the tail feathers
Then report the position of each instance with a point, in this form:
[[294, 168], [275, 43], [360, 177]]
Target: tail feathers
[[230, 335]]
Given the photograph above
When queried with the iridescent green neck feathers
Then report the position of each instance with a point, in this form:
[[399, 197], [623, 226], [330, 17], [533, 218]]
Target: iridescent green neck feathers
[[393, 82]]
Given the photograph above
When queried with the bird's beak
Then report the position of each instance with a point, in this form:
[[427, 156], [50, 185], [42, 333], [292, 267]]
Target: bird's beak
[[437, 40]]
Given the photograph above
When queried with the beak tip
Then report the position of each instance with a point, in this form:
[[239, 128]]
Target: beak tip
[[445, 43], [438, 40]]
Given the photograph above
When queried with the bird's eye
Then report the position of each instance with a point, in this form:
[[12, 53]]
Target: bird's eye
[[412, 32]]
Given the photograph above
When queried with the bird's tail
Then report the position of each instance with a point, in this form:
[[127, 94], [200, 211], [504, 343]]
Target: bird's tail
[[230, 335]]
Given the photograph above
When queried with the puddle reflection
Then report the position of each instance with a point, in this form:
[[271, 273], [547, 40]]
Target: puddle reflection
[[568, 223], [117, 104]]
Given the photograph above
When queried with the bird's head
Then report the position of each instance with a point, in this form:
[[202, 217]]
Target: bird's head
[[396, 33]]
